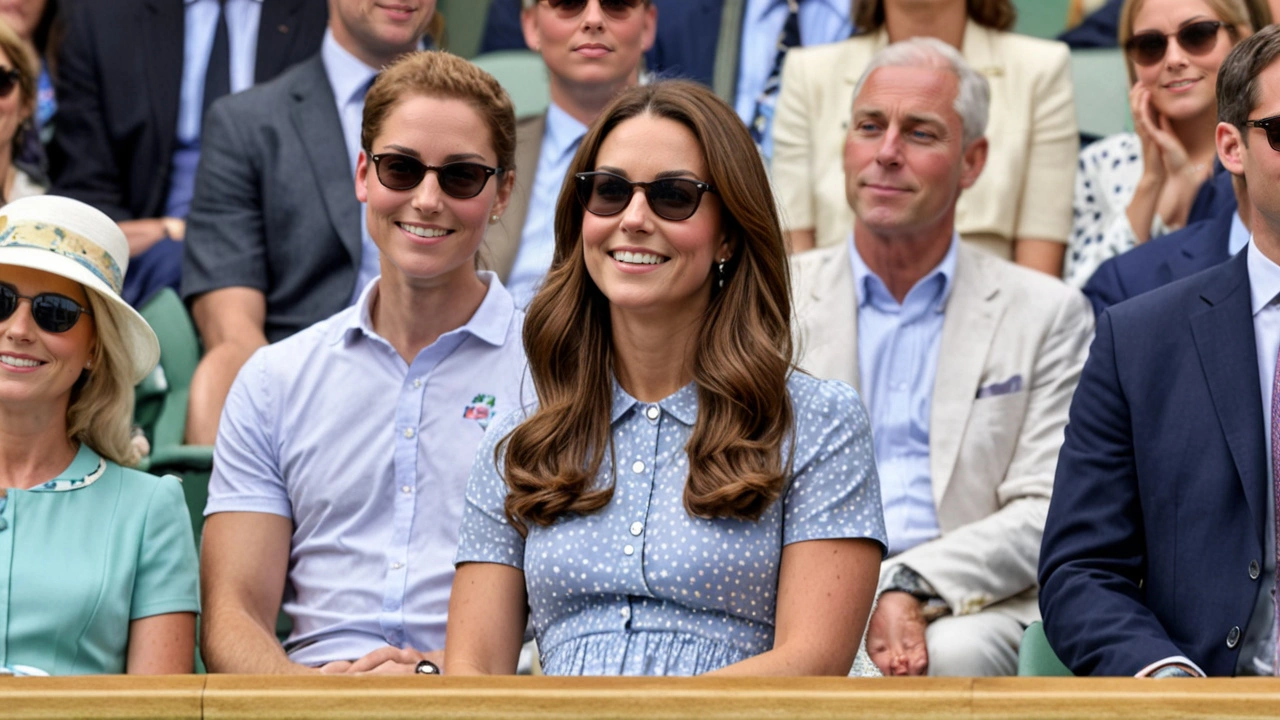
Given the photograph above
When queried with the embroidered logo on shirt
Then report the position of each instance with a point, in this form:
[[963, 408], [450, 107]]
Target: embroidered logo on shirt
[[480, 410]]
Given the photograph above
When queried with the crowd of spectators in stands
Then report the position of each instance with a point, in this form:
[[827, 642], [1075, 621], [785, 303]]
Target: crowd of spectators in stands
[[767, 347]]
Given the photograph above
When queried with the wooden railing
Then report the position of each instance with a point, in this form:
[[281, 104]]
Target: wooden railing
[[245, 696]]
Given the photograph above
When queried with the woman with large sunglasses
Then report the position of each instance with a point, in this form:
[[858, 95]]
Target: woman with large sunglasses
[[682, 500], [1131, 187], [343, 451], [19, 74], [98, 560]]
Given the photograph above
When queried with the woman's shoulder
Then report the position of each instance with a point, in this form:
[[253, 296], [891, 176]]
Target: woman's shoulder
[[1112, 151], [815, 399]]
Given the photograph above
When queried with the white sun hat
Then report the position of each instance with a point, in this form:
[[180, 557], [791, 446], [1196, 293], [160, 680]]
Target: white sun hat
[[69, 238]]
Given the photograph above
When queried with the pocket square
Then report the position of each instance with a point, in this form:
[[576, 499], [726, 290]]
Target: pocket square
[[1012, 385]]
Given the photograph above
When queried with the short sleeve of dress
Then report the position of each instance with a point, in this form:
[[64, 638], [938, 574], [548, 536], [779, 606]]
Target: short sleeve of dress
[[485, 535], [246, 472], [834, 490], [167, 573]]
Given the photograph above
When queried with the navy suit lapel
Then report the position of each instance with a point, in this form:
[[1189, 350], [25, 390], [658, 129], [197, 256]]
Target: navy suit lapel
[[1207, 249], [315, 115], [164, 25], [1224, 339]]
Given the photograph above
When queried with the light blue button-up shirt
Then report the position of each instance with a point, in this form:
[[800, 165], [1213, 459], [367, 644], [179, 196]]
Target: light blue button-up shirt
[[821, 21], [1239, 236], [898, 361], [200, 21], [350, 78], [538, 238], [368, 456]]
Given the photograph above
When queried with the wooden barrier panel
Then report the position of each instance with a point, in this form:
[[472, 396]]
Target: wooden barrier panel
[[233, 697]]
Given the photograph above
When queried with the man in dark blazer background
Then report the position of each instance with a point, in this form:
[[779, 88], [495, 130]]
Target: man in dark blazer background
[[120, 90], [1182, 253], [1159, 551], [274, 242]]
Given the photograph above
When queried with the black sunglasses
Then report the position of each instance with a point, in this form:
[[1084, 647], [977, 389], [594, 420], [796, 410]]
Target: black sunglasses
[[572, 8], [52, 312], [1198, 38], [605, 194], [1272, 126], [9, 78], [461, 180]]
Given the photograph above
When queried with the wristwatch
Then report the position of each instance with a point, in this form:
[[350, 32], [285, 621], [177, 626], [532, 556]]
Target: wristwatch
[[426, 667]]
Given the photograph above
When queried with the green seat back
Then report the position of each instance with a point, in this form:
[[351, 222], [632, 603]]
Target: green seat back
[[1041, 18], [524, 77], [1102, 91], [1036, 658], [464, 24]]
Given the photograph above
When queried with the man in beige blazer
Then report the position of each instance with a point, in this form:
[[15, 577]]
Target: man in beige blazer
[[1020, 209], [590, 55], [966, 361]]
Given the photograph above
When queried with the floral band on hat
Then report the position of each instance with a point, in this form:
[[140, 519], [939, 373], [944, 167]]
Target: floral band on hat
[[45, 236]]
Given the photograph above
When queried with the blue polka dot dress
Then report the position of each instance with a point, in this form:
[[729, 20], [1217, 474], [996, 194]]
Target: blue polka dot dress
[[640, 587]]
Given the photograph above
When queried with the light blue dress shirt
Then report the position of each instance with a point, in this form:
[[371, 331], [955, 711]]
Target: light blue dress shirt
[[640, 587], [1239, 236], [368, 456], [350, 78], [200, 22], [538, 238], [821, 21], [898, 361]]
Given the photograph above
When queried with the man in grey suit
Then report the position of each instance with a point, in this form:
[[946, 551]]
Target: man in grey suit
[[966, 362], [274, 239]]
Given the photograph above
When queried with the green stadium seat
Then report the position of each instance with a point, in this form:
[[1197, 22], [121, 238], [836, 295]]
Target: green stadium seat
[[523, 75], [1102, 91], [1041, 18], [1036, 658], [464, 24]]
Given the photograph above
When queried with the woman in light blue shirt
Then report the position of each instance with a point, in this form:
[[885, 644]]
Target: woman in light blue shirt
[[681, 501], [97, 561]]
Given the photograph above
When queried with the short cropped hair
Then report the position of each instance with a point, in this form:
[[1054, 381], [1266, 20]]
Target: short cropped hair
[[1238, 86], [973, 96]]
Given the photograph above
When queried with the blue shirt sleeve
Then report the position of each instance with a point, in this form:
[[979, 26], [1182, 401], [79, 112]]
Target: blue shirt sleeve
[[485, 535], [246, 471], [167, 573], [834, 490]]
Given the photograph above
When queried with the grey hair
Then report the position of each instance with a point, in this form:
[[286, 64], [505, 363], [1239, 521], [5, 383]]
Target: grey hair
[[973, 98]]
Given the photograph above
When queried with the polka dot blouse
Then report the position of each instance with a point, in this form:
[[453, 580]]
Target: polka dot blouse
[[640, 587]]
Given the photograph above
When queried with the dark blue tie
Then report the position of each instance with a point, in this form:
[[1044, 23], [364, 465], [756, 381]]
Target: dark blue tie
[[787, 39], [217, 79]]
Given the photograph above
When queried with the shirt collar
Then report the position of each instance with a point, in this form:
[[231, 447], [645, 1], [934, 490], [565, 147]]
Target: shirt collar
[[867, 282], [1264, 278], [1239, 236], [348, 75], [682, 404], [84, 470], [490, 322], [563, 132]]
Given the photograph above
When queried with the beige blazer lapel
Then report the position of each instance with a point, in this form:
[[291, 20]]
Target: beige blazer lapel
[[502, 241], [968, 330], [829, 316]]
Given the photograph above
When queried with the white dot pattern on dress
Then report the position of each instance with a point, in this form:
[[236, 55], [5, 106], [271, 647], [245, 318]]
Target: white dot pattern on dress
[[685, 595]]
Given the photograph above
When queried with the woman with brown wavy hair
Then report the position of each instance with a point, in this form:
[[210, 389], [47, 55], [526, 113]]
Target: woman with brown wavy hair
[[681, 501]]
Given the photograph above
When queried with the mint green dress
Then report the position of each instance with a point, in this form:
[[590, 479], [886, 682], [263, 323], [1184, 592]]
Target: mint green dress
[[83, 555]]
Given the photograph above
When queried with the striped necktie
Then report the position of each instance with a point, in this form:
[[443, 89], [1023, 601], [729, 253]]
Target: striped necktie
[[787, 39]]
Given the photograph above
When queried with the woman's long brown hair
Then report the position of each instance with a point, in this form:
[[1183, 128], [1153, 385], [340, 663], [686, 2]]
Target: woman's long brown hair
[[741, 361], [868, 15]]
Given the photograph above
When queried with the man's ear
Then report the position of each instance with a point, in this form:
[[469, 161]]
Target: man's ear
[[972, 161], [529, 26], [1231, 147], [362, 174]]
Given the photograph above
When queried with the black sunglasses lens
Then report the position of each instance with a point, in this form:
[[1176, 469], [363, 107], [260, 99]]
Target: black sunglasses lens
[[8, 301], [568, 7], [8, 81], [55, 313], [673, 199], [1147, 48], [618, 7], [1199, 38], [604, 194], [462, 180], [400, 172]]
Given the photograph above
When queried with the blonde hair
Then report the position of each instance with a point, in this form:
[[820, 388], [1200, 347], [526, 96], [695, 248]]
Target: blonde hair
[[28, 75], [100, 414]]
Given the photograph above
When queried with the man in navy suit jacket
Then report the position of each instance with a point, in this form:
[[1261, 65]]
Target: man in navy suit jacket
[[1198, 246], [1159, 549]]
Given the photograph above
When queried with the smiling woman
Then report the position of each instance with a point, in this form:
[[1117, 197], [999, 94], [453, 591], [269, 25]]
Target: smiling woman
[[681, 501], [99, 559]]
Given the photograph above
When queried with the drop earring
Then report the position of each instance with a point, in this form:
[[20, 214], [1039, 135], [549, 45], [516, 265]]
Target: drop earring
[[720, 271]]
